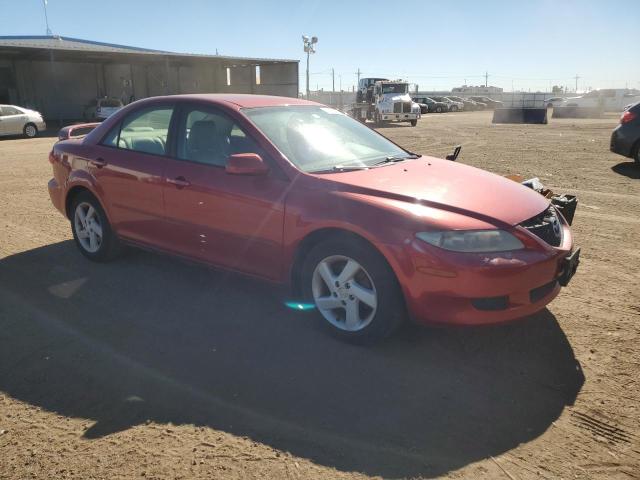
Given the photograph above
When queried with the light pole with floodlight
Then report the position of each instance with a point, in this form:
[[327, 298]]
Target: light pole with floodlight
[[309, 49]]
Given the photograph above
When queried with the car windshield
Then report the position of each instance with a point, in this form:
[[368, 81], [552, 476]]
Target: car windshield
[[395, 88], [316, 138]]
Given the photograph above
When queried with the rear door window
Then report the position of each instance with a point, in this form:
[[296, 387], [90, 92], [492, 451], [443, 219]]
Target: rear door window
[[143, 131]]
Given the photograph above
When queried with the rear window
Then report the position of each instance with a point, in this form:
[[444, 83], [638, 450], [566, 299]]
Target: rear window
[[110, 103]]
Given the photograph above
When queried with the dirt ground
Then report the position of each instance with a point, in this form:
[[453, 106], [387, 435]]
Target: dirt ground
[[152, 367]]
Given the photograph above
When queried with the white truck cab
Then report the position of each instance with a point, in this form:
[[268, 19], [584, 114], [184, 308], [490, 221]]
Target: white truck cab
[[609, 100], [383, 100], [393, 103]]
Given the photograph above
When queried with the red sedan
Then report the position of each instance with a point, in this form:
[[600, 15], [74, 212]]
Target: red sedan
[[297, 193]]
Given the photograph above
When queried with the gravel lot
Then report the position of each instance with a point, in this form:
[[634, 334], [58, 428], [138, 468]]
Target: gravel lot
[[153, 367]]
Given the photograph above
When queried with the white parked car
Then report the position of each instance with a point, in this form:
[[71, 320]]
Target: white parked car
[[553, 102], [608, 100], [16, 120], [101, 108]]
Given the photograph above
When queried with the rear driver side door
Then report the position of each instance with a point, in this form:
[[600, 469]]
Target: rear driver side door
[[129, 165]]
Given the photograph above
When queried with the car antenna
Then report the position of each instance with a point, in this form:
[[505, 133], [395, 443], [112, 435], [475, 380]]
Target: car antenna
[[456, 152]]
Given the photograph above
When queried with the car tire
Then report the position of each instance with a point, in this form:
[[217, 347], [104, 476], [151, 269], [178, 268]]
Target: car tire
[[636, 153], [91, 229], [30, 130], [454, 108], [332, 273], [439, 109], [414, 123]]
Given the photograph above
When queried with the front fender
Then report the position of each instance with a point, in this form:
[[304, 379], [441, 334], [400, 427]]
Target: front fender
[[309, 211]]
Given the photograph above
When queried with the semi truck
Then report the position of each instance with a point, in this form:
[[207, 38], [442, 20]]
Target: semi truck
[[380, 100]]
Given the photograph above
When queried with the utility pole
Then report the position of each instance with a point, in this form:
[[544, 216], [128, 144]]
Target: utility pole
[[309, 49], [486, 79], [333, 80], [358, 73], [577, 77], [46, 18]]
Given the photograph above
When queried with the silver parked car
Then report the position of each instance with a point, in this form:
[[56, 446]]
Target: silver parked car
[[16, 120]]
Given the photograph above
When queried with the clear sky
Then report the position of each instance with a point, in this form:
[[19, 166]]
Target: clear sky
[[436, 44]]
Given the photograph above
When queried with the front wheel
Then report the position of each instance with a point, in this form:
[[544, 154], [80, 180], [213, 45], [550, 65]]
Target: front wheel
[[439, 109], [454, 109], [354, 290], [91, 229], [30, 130], [377, 120]]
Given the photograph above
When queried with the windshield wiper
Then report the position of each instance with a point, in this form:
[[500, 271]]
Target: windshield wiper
[[341, 168], [398, 158]]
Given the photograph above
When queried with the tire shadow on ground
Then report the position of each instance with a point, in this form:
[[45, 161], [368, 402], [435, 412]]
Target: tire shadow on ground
[[151, 337], [628, 169]]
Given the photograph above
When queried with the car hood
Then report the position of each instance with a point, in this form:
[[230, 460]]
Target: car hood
[[446, 186]]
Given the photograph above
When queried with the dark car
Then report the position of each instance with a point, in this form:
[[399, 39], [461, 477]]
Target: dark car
[[451, 105], [468, 103], [427, 104], [625, 139], [489, 102]]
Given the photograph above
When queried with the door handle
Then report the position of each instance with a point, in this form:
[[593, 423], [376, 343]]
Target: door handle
[[179, 182], [98, 162]]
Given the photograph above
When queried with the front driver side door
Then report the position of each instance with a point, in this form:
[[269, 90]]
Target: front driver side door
[[233, 221]]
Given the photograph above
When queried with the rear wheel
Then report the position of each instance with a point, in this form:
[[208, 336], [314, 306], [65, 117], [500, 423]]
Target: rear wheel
[[636, 154], [30, 130], [355, 291], [91, 229]]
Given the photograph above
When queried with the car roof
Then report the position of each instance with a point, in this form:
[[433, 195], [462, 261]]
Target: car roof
[[243, 100]]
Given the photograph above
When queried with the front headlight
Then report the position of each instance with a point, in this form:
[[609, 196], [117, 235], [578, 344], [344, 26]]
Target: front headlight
[[472, 240]]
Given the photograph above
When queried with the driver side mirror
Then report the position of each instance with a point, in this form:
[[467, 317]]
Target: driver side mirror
[[246, 164]]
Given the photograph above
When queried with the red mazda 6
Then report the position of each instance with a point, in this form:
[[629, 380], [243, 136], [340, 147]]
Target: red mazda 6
[[294, 192]]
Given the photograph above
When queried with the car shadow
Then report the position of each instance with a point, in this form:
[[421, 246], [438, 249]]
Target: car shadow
[[628, 169], [48, 133], [149, 337]]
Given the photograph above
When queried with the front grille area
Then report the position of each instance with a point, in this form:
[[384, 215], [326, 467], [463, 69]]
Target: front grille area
[[546, 226], [491, 303], [402, 107]]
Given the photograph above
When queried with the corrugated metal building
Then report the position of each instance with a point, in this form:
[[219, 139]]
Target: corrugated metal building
[[59, 76]]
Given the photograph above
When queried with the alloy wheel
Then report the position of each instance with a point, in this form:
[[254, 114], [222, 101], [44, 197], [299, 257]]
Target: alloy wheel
[[344, 293], [88, 227], [30, 131]]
